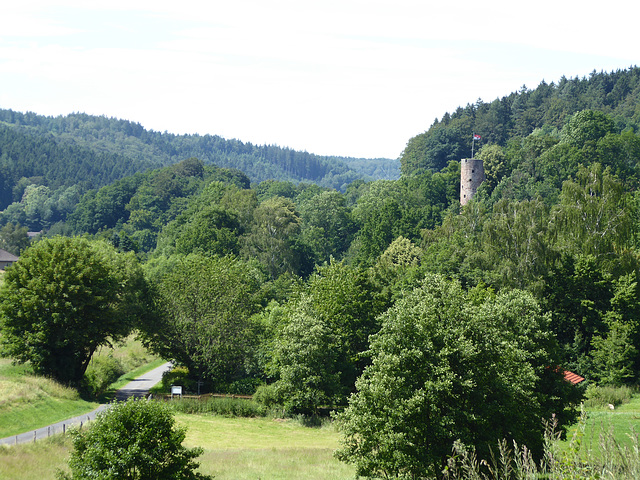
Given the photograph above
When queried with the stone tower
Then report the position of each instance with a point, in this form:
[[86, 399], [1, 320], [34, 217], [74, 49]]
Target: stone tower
[[471, 176]]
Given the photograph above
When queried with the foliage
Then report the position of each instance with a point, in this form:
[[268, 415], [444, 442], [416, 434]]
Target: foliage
[[308, 365], [13, 238], [603, 396], [320, 336], [204, 309], [271, 236], [136, 439], [226, 406], [595, 215], [63, 299], [101, 373], [449, 366]]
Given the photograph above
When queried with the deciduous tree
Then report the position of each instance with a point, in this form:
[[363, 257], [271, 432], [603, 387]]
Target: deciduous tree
[[450, 366], [205, 304], [63, 299]]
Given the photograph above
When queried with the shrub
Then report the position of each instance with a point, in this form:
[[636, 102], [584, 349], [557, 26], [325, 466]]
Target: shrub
[[597, 396], [226, 406], [133, 440], [101, 373], [175, 376]]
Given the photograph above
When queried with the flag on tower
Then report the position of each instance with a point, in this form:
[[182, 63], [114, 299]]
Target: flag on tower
[[476, 136]]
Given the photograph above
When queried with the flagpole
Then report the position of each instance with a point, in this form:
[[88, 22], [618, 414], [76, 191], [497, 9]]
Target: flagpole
[[473, 143]]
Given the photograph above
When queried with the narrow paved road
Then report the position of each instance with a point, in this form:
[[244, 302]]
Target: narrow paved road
[[136, 388]]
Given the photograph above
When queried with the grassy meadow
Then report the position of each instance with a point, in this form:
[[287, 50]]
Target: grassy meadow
[[280, 449], [234, 448], [621, 425]]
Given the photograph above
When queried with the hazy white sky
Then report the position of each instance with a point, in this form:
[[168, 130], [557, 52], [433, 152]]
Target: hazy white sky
[[334, 77]]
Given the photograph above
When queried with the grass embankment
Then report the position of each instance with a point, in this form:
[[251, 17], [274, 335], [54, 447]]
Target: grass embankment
[[28, 402]]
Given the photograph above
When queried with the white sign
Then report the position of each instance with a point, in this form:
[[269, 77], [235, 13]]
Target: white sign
[[176, 390]]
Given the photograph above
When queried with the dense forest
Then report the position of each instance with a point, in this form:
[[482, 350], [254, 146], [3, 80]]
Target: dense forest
[[91, 152], [384, 298]]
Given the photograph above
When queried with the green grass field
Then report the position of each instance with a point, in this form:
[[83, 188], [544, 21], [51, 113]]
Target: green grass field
[[267, 448], [622, 423], [234, 448]]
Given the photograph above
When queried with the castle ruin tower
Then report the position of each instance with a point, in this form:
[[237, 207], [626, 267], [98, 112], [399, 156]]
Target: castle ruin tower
[[471, 176]]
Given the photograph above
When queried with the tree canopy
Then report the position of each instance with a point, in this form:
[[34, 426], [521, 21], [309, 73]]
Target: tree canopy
[[64, 298], [449, 365]]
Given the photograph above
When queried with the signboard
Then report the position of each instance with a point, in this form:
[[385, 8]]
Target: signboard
[[176, 390]]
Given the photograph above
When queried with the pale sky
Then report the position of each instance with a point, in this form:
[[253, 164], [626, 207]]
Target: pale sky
[[334, 77]]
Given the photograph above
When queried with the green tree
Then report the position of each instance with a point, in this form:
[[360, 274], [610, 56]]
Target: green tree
[[63, 299], [13, 238], [514, 240], [397, 269], [211, 231], [615, 353], [450, 366], [327, 226], [318, 349], [595, 215], [585, 128], [308, 363], [270, 239], [577, 295], [133, 440], [494, 162], [205, 305]]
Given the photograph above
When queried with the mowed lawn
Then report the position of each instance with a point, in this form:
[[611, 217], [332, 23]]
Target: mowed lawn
[[234, 448]]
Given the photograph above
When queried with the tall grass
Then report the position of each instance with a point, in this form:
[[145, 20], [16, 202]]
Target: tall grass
[[579, 458], [35, 461], [225, 406], [597, 396]]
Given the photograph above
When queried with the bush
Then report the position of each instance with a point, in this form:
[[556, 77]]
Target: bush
[[175, 376], [226, 406], [134, 440], [101, 373], [597, 396], [266, 395]]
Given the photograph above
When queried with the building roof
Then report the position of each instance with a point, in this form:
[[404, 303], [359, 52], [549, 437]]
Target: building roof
[[572, 377], [7, 257]]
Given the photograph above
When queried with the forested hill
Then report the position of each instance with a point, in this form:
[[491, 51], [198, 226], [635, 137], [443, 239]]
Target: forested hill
[[543, 110], [107, 142]]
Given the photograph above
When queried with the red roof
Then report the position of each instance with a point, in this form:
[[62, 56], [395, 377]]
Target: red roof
[[572, 377]]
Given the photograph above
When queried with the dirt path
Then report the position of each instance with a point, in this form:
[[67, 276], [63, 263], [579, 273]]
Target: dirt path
[[136, 388]]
